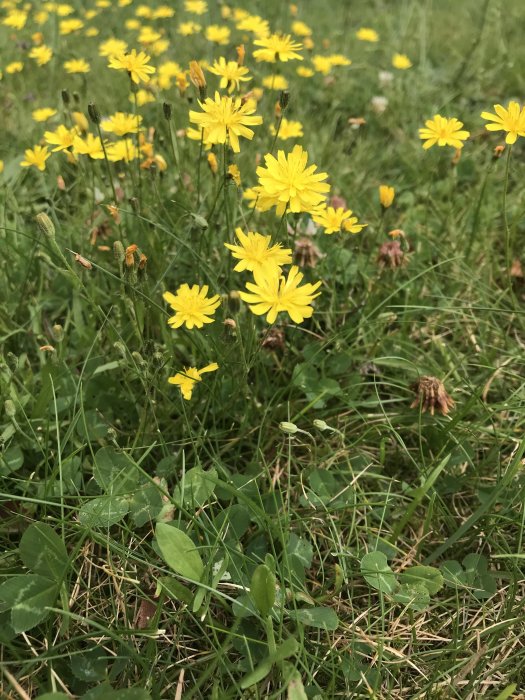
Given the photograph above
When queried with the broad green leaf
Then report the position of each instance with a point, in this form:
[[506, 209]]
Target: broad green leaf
[[179, 551], [28, 597], [301, 549], [377, 573], [89, 666], [258, 673], [195, 488], [103, 511], [175, 589], [115, 472], [296, 688], [43, 551], [145, 505], [427, 576], [322, 618], [415, 597], [262, 589], [53, 696], [283, 651], [453, 573], [11, 460]]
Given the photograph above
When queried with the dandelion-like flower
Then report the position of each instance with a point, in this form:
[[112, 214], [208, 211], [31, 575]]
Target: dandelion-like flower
[[271, 294], [288, 184], [136, 64], [77, 65], [62, 138], [386, 195], [334, 220], [192, 306], [510, 119], [277, 47], [444, 132], [288, 129], [187, 379], [225, 118], [256, 254], [90, 146], [36, 156], [230, 72], [122, 123]]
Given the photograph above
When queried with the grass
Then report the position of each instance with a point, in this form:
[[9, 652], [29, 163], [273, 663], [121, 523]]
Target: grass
[[98, 448]]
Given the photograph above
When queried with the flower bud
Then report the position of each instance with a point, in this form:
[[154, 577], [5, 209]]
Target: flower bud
[[45, 225], [212, 162], [93, 112], [118, 251], [284, 99], [58, 332], [198, 79], [321, 424], [386, 196], [166, 108], [241, 53], [66, 98], [288, 428], [10, 408]]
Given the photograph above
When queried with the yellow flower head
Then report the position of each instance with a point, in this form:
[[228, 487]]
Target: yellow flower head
[[510, 119], [188, 28], [124, 149], [277, 47], [62, 138], [288, 184], [77, 65], [122, 123], [230, 72], [288, 129], [225, 118], [36, 156], [134, 63], [256, 254], [386, 195], [68, 26], [43, 114], [273, 293], [42, 54], [217, 34], [275, 82], [187, 379], [90, 146], [14, 67], [197, 7], [254, 24], [112, 47], [367, 34], [235, 174], [334, 220], [401, 61], [192, 306], [444, 132]]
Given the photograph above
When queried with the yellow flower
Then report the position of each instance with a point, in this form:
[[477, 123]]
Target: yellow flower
[[235, 174], [334, 220], [16, 19], [148, 35], [288, 129], [80, 121], [230, 72], [254, 24], [401, 61], [43, 114], [304, 72], [14, 67], [367, 34], [444, 132], [90, 146], [41, 54], [122, 123], [217, 34], [301, 29], [188, 28], [112, 47], [275, 82], [68, 26], [322, 64], [510, 119], [77, 65], [277, 47], [288, 184], [124, 149], [62, 138], [213, 163], [192, 306], [36, 156], [197, 7], [187, 379], [225, 119], [163, 12], [134, 63], [386, 195], [256, 254], [274, 293], [142, 97]]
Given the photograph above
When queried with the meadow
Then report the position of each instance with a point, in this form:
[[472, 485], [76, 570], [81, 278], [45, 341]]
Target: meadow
[[262, 342]]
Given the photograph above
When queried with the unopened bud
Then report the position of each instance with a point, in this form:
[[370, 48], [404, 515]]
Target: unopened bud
[[212, 162], [288, 428], [118, 251], [166, 108], [198, 79], [321, 424], [93, 112], [10, 408], [241, 53], [58, 332], [234, 301], [45, 225], [284, 99], [66, 98], [138, 358]]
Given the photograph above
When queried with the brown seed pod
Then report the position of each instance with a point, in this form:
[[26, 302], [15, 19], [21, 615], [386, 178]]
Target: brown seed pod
[[431, 396]]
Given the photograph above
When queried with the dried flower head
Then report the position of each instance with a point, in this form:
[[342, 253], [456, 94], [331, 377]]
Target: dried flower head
[[306, 253], [431, 396], [391, 255], [273, 339]]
